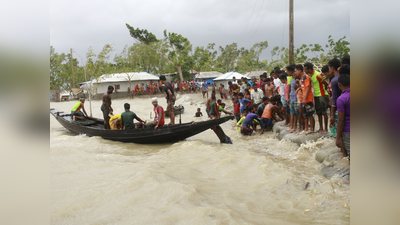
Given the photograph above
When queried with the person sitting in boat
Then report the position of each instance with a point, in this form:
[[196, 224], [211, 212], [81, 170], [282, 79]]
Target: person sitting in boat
[[115, 122], [127, 119], [159, 115], [76, 113]]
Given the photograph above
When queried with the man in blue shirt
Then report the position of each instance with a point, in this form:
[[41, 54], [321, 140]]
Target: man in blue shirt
[[204, 88], [242, 102], [334, 65]]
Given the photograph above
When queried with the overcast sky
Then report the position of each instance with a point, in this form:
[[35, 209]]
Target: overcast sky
[[80, 24]]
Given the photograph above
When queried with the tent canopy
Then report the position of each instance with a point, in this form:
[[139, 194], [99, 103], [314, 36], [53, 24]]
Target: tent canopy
[[229, 75]]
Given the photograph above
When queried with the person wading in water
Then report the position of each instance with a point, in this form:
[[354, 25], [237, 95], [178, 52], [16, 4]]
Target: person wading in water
[[106, 106]]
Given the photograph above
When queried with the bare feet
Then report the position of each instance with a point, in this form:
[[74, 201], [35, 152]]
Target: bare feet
[[324, 132]]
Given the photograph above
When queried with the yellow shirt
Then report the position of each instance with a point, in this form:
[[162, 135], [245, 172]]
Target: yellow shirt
[[112, 120]]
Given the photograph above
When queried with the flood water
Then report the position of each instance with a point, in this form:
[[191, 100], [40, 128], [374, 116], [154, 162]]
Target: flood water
[[257, 180]]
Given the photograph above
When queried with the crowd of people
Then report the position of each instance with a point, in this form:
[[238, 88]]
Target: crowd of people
[[146, 89], [293, 95]]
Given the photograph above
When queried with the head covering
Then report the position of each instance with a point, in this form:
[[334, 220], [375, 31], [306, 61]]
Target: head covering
[[154, 100]]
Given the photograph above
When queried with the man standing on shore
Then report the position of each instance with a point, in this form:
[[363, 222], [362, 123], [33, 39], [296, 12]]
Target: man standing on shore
[[106, 106], [204, 88], [170, 98]]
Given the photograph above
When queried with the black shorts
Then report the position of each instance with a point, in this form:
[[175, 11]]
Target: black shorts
[[105, 111], [77, 113], [172, 103], [309, 110], [321, 104]]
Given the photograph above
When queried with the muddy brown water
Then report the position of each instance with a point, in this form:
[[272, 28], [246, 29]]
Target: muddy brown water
[[257, 180]]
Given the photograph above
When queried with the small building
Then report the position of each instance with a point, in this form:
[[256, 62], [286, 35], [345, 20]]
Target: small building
[[225, 78], [120, 82], [208, 76]]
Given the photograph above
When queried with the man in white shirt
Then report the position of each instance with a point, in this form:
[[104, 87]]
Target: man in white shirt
[[256, 95], [234, 81]]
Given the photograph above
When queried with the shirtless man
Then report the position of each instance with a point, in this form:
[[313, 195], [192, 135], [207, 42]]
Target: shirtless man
[[269, 89], [106, 106], [221, 89], [213, 89], [208, 105]]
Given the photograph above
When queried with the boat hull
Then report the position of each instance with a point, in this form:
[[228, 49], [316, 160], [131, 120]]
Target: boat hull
[[165, 134]]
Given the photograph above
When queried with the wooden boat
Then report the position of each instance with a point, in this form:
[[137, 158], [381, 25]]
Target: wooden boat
[[165, 134], [177, 110]]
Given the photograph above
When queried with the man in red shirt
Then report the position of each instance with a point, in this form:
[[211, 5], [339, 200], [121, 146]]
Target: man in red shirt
[[159, 115]]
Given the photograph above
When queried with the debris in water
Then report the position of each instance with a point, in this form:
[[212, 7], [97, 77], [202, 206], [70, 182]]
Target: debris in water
[[305, 187], [306, 210]]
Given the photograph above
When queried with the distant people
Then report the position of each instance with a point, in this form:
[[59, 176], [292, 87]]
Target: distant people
[[127, 119], [234, 88], [213, 89], [224, 92], [343, 109], [242, 86], [170, 99], [115, 122], [76, 112], [221, 91], [234, 81], [204, 88], [254, 81], [106, 107], [198, 113], [158, 115]]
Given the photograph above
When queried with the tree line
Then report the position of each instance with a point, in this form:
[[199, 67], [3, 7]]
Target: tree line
[[175, 54]]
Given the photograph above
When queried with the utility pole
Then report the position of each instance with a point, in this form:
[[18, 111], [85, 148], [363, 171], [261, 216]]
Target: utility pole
[[291, 59], [233, 56], [72, 66]]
